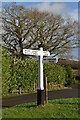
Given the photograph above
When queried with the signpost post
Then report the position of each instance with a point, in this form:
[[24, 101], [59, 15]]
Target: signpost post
[[40, 53]]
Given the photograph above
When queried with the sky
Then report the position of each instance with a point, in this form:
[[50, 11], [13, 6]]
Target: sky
[[65, 8], [69, 9], [40, 0]]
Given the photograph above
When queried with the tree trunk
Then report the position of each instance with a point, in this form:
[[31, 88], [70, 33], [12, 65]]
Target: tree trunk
[[45, 87], [21, 49]]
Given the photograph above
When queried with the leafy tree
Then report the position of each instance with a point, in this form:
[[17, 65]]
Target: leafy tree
[[26, 28]]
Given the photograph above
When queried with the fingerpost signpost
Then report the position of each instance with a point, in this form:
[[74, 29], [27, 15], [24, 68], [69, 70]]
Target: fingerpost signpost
[[40, 53]]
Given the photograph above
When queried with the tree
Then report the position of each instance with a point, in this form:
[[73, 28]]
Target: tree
[[55, 33], [27, 28], [17, 25]]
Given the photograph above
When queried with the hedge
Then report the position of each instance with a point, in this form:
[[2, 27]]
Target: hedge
[[22, 73]]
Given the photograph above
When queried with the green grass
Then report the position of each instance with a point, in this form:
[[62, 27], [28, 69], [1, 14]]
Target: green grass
[[60, 108]]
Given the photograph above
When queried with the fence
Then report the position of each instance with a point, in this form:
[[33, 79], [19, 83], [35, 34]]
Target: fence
[[32, 88]]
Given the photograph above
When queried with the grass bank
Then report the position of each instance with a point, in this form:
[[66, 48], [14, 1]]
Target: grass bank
[[59, 108]]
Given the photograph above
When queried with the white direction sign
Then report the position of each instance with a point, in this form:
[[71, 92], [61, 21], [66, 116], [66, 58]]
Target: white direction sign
[[39, 53], [35, 52], [46, 53], [31, 52]]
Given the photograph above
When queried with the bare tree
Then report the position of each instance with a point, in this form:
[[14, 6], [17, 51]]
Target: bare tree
[[26, 28], [17, 25], [56, 34]]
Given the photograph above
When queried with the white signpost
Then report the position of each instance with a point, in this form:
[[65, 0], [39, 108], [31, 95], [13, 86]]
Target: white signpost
[[40, 53]]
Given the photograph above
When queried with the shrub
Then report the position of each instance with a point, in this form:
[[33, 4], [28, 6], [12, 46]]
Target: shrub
[[69, 76]]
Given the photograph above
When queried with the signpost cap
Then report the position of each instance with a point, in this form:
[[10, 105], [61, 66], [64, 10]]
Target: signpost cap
[[40, 45]]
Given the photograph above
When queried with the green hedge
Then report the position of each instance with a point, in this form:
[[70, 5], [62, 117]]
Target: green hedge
[[69, 76], [22, 73], [5, 71], [55, 73]]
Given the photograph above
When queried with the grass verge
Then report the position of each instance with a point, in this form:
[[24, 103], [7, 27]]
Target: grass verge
[[59, 108]]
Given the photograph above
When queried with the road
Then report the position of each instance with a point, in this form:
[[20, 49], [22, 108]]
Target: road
[[67, 93]]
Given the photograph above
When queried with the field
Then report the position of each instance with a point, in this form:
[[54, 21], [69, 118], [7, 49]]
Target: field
[[59, 108]]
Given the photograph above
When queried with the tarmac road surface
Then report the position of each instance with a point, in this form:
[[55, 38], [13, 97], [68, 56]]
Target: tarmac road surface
[[67, 93]]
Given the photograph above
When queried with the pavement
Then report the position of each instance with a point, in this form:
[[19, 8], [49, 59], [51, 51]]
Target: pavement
[[27, 98]]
